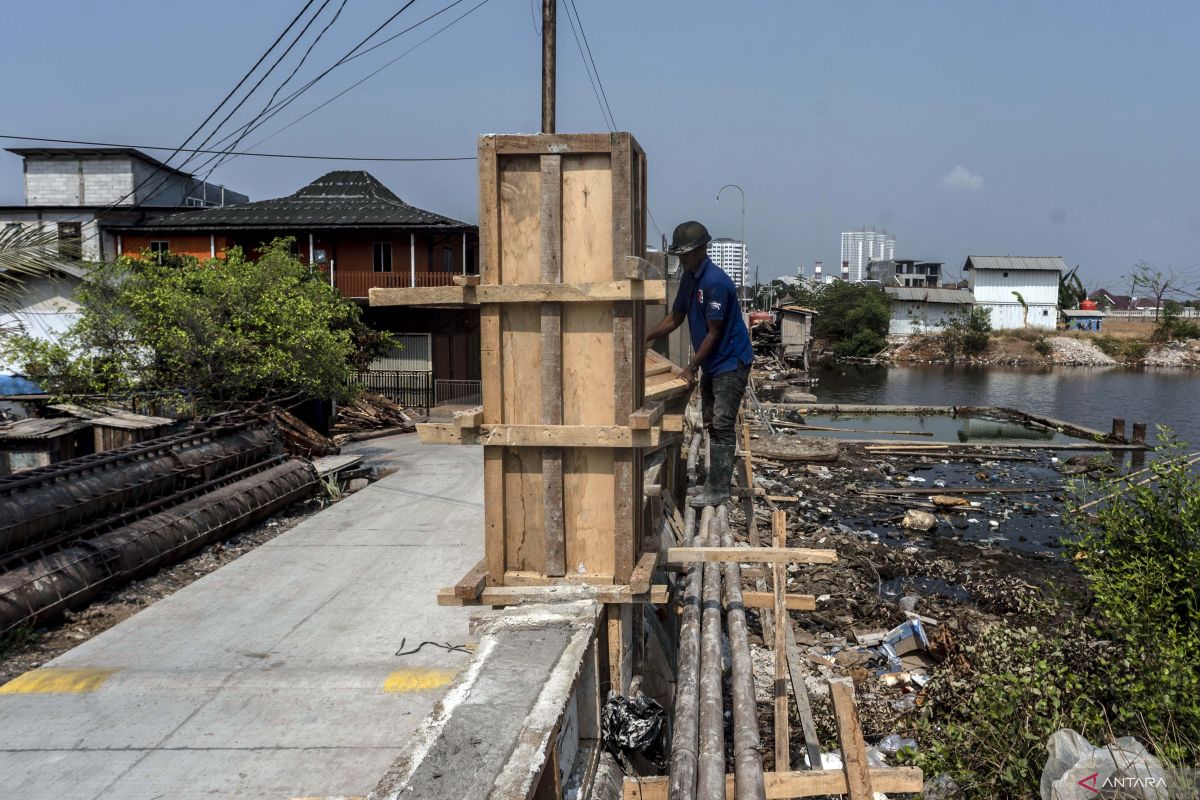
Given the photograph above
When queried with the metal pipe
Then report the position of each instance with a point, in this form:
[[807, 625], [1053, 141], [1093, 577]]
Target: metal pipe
[[747, 759], [685, 719], [711, 761]]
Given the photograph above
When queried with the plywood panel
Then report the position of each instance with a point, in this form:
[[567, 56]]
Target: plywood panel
[[520, 219], [587, 363]]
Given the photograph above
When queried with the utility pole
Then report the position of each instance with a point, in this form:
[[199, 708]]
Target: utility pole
[[549, 67]]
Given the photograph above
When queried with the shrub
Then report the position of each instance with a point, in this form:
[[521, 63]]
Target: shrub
[[1122, 349], [1141, 555], [967, 331], [1042, 346], [852, 316]]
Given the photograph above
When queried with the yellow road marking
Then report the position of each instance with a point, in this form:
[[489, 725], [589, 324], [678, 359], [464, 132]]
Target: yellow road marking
[[418, 679], [52, 680]]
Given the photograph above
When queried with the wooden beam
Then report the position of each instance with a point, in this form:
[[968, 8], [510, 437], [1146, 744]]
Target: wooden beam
[[608, 291], [553, 523], [466, 280], [556, 592], [639, 269], [793, 602], [796, 675], [751, 555], [672, 423], [850, 736], [783, 755], [471, 418], [644, 418], [639, 581], [470, 585], [423, 296], [545, 435], [808, 783]]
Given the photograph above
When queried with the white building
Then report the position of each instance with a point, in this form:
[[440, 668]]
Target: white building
[[78, 191], [861, 247], [922, 310], [996, 282], [731, 256]]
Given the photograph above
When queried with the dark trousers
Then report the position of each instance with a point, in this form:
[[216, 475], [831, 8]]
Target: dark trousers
[[720, 398]]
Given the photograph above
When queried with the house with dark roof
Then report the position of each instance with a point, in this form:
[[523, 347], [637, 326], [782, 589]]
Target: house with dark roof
[[361, 236], [1108, 301]]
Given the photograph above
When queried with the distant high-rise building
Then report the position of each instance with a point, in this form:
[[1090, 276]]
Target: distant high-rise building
[[861, 247], [730, 255]]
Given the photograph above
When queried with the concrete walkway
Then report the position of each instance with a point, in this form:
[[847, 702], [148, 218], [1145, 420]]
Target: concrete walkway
[[275, 676]]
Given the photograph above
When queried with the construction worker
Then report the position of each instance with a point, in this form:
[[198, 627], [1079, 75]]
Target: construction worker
[[721, 349]]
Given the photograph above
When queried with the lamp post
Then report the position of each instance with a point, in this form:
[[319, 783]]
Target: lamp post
[[745, 250]]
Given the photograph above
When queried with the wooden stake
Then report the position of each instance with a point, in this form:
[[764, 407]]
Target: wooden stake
[[850, 736], [555, 542], [783, 760]]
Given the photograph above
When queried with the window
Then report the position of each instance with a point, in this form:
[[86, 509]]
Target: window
[[70, 240], [1006, 274], [1045, 312], [447, 260], [160, 248], [194, 202], [381, 256]]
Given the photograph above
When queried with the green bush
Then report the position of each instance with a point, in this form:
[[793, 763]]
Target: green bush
[[1042, 346], [853, 317], [1122, 349], [989, 724], [1140, 552], [967, 331]]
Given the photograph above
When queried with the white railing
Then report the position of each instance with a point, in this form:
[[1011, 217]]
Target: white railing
[[457, 393], [1148, 313]]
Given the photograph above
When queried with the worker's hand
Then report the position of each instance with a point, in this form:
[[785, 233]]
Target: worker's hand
[[689, 375]]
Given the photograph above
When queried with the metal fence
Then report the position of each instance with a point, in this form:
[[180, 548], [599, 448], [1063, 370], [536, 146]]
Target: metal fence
[[458, 393], [409, 389]]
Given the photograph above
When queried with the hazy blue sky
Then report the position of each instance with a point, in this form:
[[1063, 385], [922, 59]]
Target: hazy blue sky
[[1036, 128]]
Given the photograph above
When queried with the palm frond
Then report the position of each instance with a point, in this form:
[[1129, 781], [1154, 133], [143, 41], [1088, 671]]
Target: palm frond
[[28, 251]]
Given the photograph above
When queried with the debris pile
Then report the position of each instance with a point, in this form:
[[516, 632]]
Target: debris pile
[[371, 412]]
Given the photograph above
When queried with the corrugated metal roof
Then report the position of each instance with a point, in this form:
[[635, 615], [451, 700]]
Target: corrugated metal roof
[[339, 199], [1080, 312], [37, 429], [1047, 263], [920, 294]]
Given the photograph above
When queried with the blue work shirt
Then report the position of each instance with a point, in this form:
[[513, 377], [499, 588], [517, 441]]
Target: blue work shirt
[[709, 294]]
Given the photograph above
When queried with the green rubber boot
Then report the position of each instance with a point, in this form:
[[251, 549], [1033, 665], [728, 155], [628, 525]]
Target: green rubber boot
[[720, 470]]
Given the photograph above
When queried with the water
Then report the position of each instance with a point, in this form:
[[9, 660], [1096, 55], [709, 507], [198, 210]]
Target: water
[[1085, 395]]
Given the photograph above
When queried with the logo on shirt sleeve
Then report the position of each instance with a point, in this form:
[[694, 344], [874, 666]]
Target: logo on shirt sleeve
[[714, 305]]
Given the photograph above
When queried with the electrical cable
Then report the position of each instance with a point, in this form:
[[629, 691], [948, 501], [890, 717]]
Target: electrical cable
[[588, 46], [586, 68], [256, 155]]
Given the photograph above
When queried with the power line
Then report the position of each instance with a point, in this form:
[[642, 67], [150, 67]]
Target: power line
[[256, 155], [603, 94], [372, 74], [588, 70]]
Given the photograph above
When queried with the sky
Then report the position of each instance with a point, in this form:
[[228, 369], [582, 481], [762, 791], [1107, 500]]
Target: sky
[[988, 128]]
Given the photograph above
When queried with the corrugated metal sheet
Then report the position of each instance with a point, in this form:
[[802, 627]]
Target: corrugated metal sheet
[[1074, 312], [918, 294], [414, 355], [1050, 263]]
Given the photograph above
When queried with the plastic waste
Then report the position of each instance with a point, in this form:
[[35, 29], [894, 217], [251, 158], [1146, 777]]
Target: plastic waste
[[1077, 769], [942, 787], [633, 723], [892, 744]]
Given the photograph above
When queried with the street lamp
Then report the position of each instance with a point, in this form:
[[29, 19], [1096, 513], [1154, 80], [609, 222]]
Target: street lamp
[[745, 250]]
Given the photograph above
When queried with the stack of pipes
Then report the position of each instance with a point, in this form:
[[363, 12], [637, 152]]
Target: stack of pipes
[[698, 747]]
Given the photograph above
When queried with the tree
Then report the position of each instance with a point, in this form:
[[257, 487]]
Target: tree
[[223, 332], [853, 316], [1158, 282], [967, 331], [1070, 289], [1024, 310]]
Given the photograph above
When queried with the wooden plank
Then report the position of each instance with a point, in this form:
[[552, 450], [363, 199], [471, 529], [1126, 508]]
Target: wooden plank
[[549, 143], [850, 736], [551, 375], [470, 585], [639, 581], [628, 359], [466, 280], [796, 675], [559, 592], [606, 291], [663, 387], [423, 296], [639, 269], [779, 785], [783, 758], [585, 437], [495, 543], [751, 555], [672, 423], [520, 358], [793, 602], [471, 418], [645, 417]]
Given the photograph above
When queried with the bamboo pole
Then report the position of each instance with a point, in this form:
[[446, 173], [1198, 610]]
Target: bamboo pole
[[711, 761], [747, 759], [693, 458], [685, 720], [1193, 459]]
